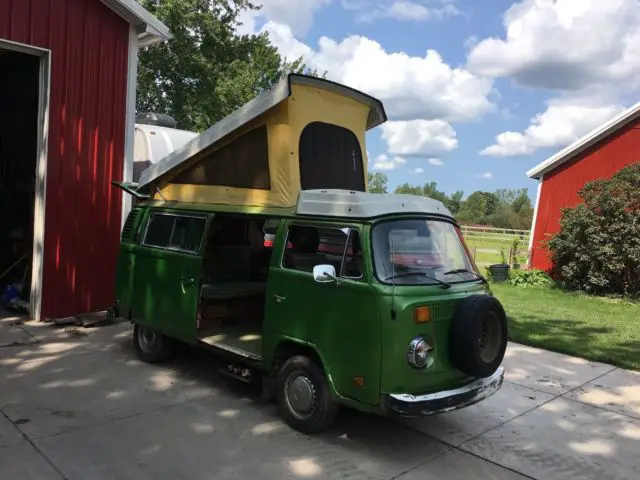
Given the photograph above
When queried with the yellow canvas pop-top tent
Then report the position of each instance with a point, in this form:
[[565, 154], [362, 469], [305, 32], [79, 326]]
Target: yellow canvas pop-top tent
[[305, 133]]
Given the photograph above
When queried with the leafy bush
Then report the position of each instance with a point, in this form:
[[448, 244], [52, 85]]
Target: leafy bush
[[598, 247], [530, 278], [503, 256], [515, 250]]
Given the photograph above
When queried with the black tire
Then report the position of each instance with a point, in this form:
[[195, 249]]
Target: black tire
[[151, 346], [478, 338], [323, 411]]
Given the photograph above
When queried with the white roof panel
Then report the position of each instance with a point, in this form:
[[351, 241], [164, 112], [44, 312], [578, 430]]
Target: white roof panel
[[346, 204]]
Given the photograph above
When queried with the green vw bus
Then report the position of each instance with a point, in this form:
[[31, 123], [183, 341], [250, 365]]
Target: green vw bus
[[347, 298]]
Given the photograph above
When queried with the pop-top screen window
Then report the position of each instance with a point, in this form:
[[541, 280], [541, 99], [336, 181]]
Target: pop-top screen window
[[244, 163], [330, 157]]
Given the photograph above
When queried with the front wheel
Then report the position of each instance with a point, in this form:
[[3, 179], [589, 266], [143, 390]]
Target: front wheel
[[304, 399], [151, 346]]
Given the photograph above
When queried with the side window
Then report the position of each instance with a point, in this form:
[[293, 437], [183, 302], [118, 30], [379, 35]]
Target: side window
[[309, 246], [187, 233], [175, 232], [159, 230]]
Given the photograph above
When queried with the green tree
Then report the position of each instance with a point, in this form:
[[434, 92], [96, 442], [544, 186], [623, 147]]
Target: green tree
[[427, 190], [431, 190], [407, 189], [455, 201], [377, 182], [477, 207], [207, 70], [521, 202], [503, 217]]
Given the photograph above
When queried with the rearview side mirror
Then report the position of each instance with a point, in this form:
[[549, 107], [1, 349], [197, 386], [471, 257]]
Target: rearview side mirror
[[324, 273]]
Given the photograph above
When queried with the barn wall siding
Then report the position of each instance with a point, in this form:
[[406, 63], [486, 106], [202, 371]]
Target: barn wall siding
[[561, 186], [89, 45]]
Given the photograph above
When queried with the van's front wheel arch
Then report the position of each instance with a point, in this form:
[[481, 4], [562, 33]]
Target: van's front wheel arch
[[304, 396], [151, 346]]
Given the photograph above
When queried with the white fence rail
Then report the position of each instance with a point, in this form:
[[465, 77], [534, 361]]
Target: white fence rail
[[492, 232]]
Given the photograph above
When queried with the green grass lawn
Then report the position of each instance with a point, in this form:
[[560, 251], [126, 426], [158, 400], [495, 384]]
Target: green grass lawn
[[599, 329]]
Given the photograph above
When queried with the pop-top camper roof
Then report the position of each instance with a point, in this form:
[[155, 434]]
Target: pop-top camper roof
[[305, 133]]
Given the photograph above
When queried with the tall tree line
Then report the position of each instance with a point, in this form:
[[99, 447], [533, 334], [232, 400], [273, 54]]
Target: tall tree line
[[505, 208]]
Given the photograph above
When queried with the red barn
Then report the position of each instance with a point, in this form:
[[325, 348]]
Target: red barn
[[68, 72], [597, 155]]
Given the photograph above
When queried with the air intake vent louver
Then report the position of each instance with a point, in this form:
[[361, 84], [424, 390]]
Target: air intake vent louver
[[129, 225]]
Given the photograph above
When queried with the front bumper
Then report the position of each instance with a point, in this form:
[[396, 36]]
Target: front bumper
[[407, 405]]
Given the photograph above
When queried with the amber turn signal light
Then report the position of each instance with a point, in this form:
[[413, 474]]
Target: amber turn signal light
[[359, 382], [422, 315]]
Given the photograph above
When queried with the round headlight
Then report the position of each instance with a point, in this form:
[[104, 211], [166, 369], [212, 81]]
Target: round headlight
[[419, 352]]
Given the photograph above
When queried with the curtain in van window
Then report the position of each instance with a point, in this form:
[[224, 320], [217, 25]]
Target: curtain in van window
[[330, 157]]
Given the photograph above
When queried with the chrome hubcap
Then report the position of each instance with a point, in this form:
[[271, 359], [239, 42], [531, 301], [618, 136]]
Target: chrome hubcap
[[146, 339], [300, 395]]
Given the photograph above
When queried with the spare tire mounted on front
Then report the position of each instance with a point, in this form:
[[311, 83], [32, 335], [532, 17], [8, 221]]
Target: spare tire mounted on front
[[478, 337]]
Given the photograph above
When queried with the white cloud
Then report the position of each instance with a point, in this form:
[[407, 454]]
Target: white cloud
[[563, 122], [418, 170], [486, 176], [410, 87], [297, 15], [383, 162], [288, 45], [566, 45], [436, 162], [401, 10], [419, 137]]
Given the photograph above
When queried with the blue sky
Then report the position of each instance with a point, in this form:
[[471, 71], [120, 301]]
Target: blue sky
[[477, 92]]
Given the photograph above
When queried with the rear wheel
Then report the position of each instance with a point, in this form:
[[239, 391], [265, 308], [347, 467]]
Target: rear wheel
[[478, 338], [151, 346], [304, 398]]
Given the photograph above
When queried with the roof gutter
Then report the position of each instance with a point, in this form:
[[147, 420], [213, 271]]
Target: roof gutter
[[150, 29]]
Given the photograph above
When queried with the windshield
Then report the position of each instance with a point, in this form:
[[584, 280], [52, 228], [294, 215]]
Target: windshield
[[421, 252]]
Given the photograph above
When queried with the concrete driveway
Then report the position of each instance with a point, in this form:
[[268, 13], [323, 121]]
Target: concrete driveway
[[79, 405]]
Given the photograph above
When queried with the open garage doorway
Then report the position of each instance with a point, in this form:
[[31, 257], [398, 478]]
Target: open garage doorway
[[24, 98]]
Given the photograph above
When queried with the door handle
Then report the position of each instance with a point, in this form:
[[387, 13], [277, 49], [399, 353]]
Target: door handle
[[279, 298], [188, 281]]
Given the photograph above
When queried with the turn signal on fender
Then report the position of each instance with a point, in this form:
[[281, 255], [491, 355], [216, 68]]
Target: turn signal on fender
[[359, 382], [422, 315]]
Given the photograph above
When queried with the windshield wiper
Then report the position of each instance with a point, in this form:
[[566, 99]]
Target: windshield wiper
[[464, 270], [417, 274]]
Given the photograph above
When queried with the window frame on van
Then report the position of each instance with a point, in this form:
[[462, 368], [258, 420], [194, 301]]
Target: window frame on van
[[203, 217], [303, 223]]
